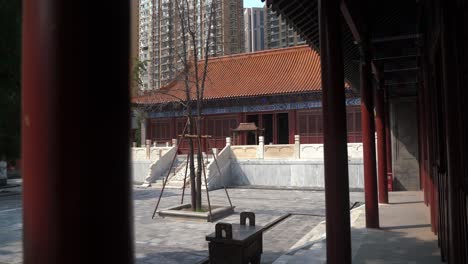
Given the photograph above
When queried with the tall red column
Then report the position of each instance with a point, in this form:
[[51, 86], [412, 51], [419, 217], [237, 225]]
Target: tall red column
[[381, 146], [422, 141], [172, 128], [452, 97], [292, 125], [204, 140], [241, 138], [368, 139], [275, 128], [68, 101], [335, 138], [388, 141], [424, 132]]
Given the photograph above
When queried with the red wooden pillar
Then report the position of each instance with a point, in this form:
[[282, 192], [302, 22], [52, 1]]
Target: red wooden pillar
[[388, 141], [292, 125], [149, 129], [419, 127], [432, 146], [203, 131], [423, 139], [368, 139], [65, 93], [452, 121], [241, 139], [335, 139], [172, 128], [381, 147], [429, 139], [275, 127]]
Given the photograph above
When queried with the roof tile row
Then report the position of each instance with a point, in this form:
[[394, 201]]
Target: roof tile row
[[264, 73]]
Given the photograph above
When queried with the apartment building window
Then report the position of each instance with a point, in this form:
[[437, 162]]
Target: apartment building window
[[262, 39], [255, 20]]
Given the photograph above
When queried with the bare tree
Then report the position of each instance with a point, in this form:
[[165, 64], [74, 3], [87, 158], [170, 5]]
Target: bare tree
[[197, 42], [191, 22]]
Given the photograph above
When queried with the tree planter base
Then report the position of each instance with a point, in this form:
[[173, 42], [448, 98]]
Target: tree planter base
[[185, 211]]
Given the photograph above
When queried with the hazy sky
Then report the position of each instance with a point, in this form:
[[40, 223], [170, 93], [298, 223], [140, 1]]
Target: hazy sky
[[253, 3]]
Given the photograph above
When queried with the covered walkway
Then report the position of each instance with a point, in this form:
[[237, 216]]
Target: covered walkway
[[395, 49], [404, 236]]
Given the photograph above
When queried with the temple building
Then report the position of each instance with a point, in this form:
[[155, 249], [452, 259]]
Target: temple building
[[279, 90], [411, 56]]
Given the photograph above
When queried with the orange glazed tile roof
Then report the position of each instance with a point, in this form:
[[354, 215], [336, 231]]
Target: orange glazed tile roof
[[264, 73]]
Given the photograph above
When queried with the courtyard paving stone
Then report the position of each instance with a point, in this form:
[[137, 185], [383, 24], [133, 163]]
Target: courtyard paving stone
[[171, 240], [268, 205]]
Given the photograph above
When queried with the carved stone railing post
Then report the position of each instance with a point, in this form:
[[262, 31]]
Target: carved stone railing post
[[215, 152], [167, 144], [158, 154], [261, 147], [143, 131], [228, 141], [297, 146], [174, 142], [134, 144], [148, 148]]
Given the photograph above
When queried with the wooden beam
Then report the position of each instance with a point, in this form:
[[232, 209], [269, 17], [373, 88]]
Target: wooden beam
[[396, 38], [403, 57], [400, 83], [402, 70], [195, 136], [355, 25], [351, 21]]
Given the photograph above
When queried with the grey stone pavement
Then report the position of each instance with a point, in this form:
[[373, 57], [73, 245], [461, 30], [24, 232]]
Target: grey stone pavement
[[170, 240], [11, 223], [404, 236], [167, 240]]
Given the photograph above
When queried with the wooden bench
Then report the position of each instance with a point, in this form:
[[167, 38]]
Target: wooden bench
[[236, 243]]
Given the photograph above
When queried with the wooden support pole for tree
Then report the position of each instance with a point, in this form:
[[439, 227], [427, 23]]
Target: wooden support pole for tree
[[335, 138]]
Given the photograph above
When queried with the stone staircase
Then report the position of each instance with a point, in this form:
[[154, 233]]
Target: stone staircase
[[177, 174]]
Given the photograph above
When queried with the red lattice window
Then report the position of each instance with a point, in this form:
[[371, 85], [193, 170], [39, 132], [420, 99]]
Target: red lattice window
[[160, 130], [219, 127], [310, 126]]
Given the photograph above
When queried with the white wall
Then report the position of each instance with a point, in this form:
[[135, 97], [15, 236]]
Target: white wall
[[148, 164], [243, 165], [289, 173]]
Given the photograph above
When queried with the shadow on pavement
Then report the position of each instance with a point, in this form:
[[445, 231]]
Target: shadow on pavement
[[383, 246]]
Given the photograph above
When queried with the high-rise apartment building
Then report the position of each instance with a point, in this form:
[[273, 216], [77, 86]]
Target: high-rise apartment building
[[278, 33], [134, 50], [161, 35], [254, 29], [264, 29]]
